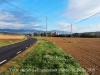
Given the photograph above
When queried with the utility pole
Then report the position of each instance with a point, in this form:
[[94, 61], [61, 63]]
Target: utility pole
[[63, 33], [71, 34], [46, 27]]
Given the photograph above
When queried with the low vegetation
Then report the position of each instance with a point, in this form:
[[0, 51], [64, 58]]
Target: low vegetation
[[10, 39], [46, 59], [6, 42]]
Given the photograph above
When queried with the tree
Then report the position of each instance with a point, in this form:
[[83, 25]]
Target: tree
[[49, 34], [44, 33], [35, 34]]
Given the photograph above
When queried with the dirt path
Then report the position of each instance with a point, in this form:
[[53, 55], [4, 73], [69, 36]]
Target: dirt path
[[87, 52]]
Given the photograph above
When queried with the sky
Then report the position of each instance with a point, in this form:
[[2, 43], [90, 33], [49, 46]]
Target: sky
[[61, 14]]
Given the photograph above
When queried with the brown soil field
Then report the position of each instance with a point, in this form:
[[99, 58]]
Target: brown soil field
[[85, 50], [12, 37]]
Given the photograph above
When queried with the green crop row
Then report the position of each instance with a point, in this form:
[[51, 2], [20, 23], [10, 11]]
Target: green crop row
[[47, 59]]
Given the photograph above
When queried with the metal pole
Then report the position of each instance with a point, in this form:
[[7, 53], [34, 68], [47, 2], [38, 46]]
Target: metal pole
[[46, 27], [71, 34], [63, 33]]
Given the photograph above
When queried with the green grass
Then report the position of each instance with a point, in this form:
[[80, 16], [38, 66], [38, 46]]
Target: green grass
[[46, 59]]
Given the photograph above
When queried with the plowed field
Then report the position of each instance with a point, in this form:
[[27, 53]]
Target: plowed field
[[85, 50]]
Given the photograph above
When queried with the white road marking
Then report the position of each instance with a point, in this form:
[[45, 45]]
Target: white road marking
[[18, 52], [3, 61], [26, 47]]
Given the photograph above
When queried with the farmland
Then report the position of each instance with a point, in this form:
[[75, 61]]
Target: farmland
[[46, 59], [85, 50], [10, 39]]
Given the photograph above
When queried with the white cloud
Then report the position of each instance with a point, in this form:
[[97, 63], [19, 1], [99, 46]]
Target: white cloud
[[80, 9], [63, 25], [6, 16], [6, 25], [17, 25], [11, 21], [89, 28], [35, 24]]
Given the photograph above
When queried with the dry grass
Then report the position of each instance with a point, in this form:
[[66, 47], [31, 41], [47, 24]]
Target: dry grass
[[12, 36], [10, 39]]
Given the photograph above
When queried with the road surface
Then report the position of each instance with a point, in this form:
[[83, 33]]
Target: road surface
[[8, 52]]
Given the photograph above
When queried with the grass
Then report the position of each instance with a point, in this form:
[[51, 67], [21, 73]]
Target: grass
[[46, 59], [5, 69], [2, 43]]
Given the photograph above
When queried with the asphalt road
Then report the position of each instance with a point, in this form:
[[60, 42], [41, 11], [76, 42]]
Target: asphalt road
[[8, 52]]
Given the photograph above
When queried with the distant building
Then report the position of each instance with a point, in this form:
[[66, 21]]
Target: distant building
[[92, 34], [56, 33]]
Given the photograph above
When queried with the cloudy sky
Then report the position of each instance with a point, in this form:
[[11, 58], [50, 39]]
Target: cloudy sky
[[31, 14]]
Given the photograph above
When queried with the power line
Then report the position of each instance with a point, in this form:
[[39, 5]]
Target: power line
[[52, 10], [46, 4], [72, 9], [28, 13], [58, 7], [37, 3], [22, 9], [50, 22], [54, 25], [46, 7], [87, 18], [81, 6], [65, 26]]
